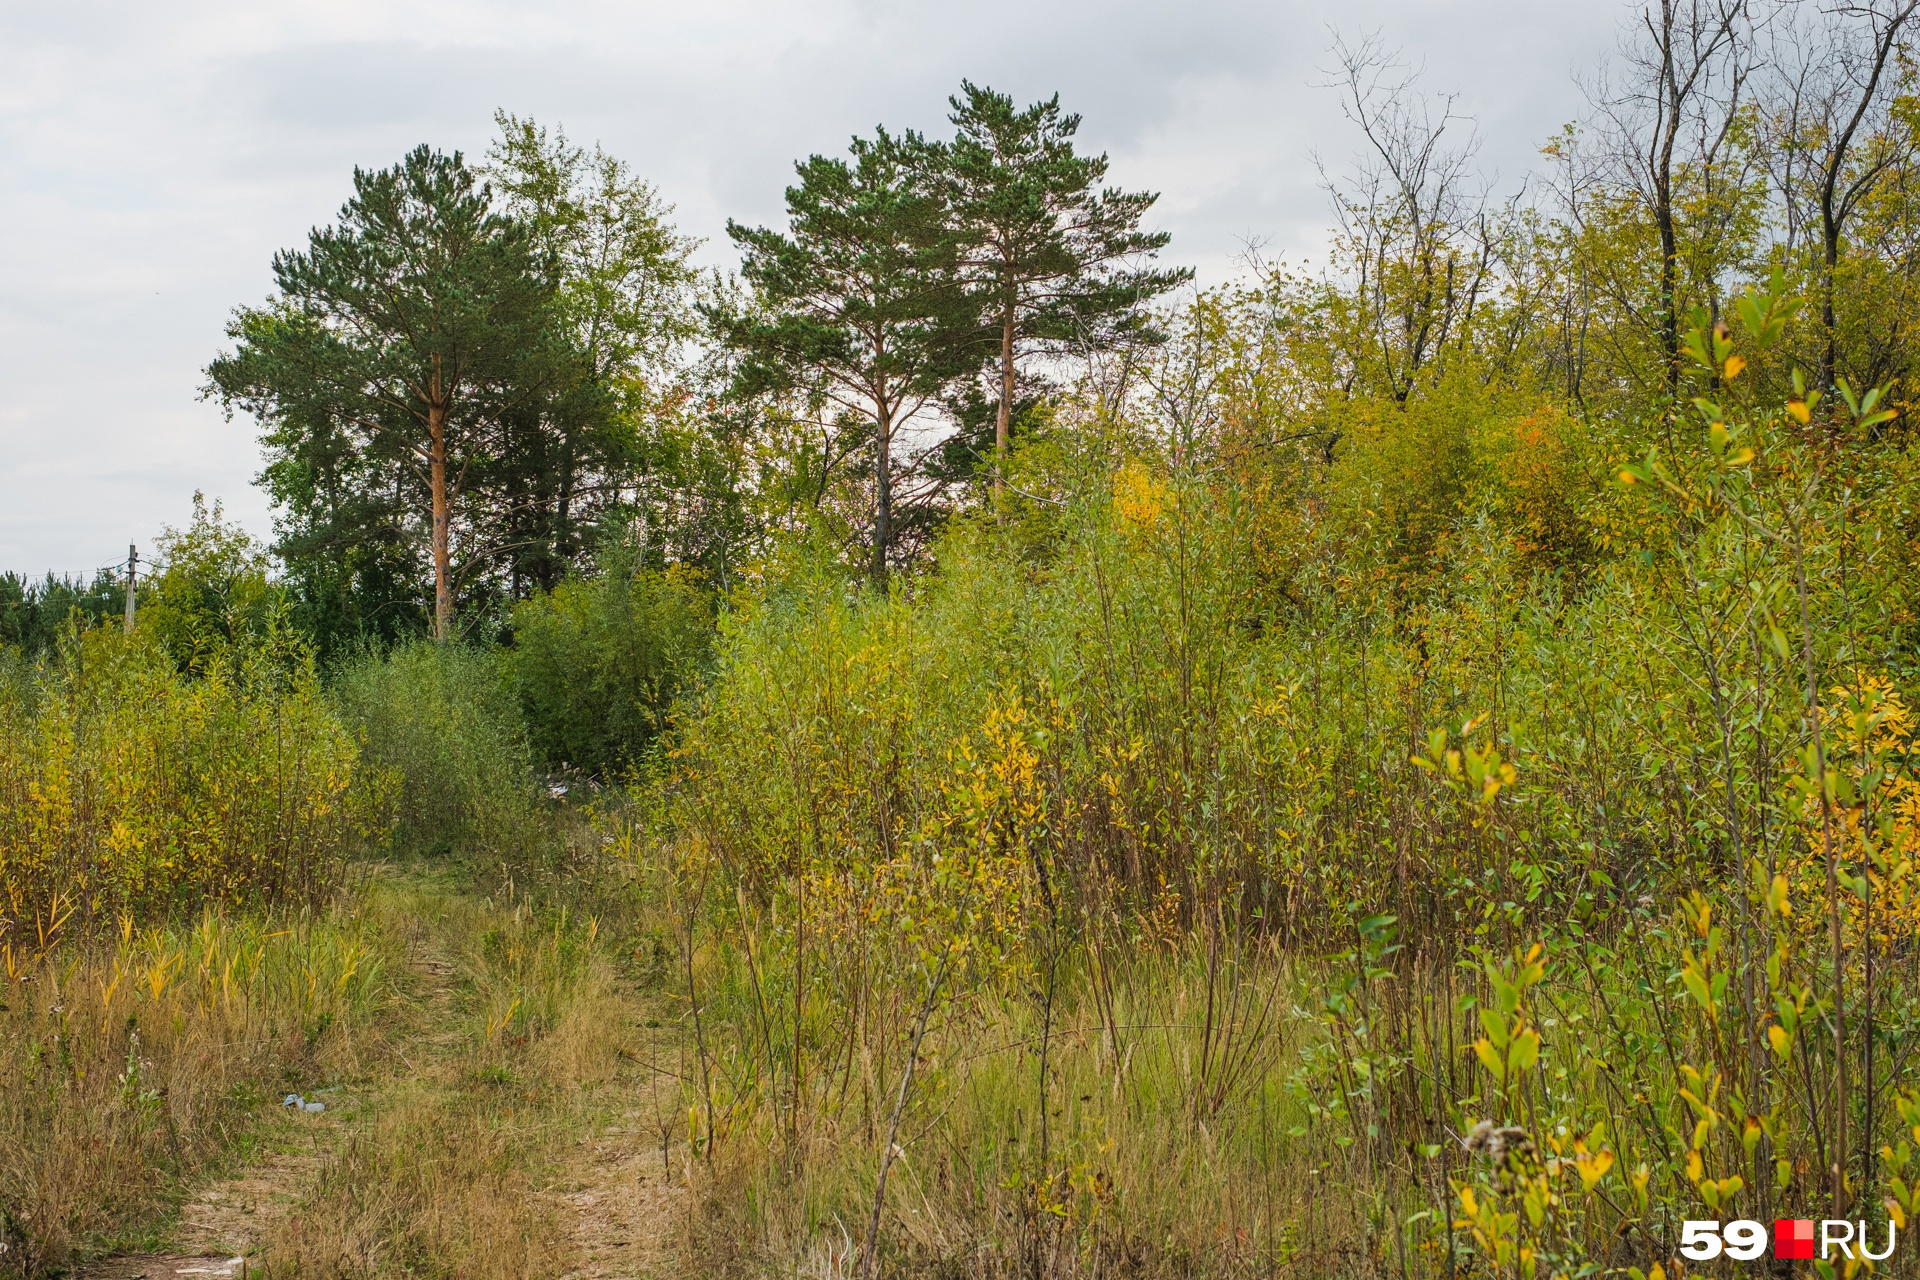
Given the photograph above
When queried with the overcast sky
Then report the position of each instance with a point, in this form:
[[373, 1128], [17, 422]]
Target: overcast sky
[[153, 157]]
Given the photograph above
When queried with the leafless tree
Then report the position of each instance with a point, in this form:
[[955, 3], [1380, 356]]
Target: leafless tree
[[1671, 100], [1414, 214], [1832, 89]]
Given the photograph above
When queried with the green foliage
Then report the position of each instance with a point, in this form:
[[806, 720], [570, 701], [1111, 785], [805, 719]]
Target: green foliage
[[626, 276], [211, 592], [1440, 729], [442, 723], [1055, 258], [32, 613], [1505, 779], [405, 351], [599, 662], [860, 309], [626, 287], [129, 788]]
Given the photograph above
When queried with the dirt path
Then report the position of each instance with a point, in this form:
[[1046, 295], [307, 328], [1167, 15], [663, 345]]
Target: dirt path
[[226, 1224], [617, 1199], [620, 1189], [613, 1194]]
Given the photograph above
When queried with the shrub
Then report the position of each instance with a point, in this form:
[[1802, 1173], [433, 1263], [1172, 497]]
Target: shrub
[[127, 788], [1537, 896], [597, 663], [437, 720]]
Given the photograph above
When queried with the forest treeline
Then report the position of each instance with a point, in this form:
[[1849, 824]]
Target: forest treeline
[[1399, 768]]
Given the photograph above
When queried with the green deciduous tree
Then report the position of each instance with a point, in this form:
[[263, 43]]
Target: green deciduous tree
[[626, 286], [210, 590]]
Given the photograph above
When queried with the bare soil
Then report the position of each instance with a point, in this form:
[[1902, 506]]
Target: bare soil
[[617, 1198]]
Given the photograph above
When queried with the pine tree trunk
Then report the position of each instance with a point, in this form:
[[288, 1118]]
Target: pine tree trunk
[[437, 479], [882, 496], [1003, 425]]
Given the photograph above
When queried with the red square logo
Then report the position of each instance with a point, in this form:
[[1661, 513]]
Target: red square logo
[[1792, 1238]]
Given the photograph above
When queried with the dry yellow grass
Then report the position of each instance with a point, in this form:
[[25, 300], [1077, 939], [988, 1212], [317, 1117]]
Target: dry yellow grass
[[490, 1060], [127, 1069]]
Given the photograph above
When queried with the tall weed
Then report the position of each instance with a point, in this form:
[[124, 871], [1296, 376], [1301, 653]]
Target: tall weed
[[128, 1067]]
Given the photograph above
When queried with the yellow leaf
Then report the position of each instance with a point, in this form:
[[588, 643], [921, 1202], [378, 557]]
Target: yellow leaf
[[1525, 1051], [1734, 365], [1801, 414], [1777, 1037]]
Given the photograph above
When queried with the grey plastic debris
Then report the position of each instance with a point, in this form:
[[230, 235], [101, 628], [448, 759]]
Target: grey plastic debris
[[315, 1107], [293, 1100]]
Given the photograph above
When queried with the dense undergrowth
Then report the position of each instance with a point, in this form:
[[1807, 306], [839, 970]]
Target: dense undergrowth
[[1193, 887], [129, 788], [216, 894], [1410, 773], [1176, 881]]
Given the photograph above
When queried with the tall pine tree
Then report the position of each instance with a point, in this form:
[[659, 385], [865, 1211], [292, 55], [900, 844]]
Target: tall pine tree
[[398, 353], [1056, 260], [860, 304]]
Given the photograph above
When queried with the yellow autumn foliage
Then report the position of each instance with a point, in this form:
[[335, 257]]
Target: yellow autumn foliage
[[127, 788]]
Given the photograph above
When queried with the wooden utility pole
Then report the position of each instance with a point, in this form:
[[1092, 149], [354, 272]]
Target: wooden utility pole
[[133, 570]]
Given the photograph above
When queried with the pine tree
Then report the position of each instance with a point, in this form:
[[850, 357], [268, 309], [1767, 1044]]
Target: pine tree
[[861, 306], [1056, 261], [397, 354]]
